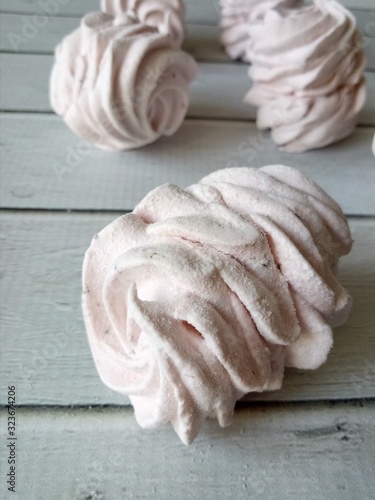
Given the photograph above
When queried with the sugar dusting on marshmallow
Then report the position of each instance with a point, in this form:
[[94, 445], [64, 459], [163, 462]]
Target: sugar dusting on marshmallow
[[205, 294]]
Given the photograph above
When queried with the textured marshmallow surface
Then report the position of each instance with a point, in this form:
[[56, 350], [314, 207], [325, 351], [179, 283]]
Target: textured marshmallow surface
[[236, 18], [168, 16], [308, 74], [119, 84], [203, 295]]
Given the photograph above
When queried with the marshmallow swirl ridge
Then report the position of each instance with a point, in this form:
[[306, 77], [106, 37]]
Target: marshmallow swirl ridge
[[168, 16], [203, 295], [308, 74], [236, 18], [119, 84]]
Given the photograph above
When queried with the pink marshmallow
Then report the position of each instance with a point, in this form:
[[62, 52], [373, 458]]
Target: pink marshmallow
[[308, 74], [119, 84], [203, 295], [168, 16]]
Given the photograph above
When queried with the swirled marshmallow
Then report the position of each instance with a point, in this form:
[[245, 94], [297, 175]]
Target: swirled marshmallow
[[307, 72], [120, 84], [168, 16], [236, 18], [203, 295]]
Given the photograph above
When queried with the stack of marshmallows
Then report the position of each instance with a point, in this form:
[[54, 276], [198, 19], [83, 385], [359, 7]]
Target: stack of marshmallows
[[121, 80]]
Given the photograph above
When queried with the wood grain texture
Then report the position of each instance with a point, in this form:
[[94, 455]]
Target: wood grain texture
[[30, 34], [310, 452], [293, 451], [45, 339], [25, 34], [44, 165], [217, 92]]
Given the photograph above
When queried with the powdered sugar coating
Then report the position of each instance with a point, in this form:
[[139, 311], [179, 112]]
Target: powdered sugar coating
[[236, 17], [168, 16], [202, 295], [308, 75], [120, 84]]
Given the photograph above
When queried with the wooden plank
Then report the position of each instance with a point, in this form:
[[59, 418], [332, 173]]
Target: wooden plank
[[51, 7], [18, 35], [203, 41], [285, 452], [217, 92], [44, 348], [220, 89], [51, 355], [29, 34], [197, 11], [44, 165]]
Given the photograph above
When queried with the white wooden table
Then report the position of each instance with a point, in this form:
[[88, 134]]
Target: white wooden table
[[76, 439]]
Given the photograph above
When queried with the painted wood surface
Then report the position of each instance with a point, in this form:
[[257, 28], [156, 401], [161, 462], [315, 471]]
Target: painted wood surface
[[29, 34], [218, 91], [44, 165], [41, 288], [309, 452]]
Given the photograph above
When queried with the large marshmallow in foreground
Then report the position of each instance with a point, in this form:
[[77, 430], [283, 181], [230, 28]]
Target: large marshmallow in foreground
[[203, 295], [119, 84]]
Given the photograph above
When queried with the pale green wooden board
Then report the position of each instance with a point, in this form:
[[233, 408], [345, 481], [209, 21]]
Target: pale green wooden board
[[304, 452], [309, 451], [46, 340], [218, 91], [44, 165], [29, 34]]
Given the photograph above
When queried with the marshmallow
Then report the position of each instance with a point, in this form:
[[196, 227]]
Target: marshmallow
[[307, 72], [203, 295], [168, 16], [119, 84], [236, 18]]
